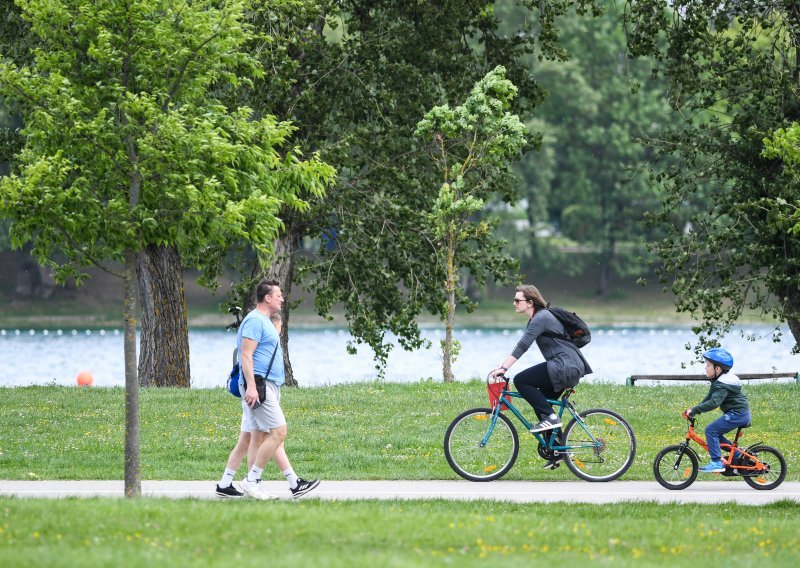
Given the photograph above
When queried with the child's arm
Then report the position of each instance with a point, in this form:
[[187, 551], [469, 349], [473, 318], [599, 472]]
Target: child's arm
[[712, 400]]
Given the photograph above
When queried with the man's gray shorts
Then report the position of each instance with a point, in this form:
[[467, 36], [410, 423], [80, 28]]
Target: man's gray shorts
[[265, 416]]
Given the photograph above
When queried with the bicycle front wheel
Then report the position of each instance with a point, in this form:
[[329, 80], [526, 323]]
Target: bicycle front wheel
[[675, 467], [600, 445], [774, 472], [469, 456]]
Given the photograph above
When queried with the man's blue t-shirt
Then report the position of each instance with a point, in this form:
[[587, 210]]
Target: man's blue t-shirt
[[259, 328]]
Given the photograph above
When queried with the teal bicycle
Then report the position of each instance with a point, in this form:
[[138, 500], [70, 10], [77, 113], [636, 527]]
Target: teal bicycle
[[482, 444]]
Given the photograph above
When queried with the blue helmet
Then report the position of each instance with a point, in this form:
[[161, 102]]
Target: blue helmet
[[720, 357]]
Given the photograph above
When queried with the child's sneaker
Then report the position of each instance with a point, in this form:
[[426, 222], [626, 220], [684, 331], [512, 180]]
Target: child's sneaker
[[713, 467]]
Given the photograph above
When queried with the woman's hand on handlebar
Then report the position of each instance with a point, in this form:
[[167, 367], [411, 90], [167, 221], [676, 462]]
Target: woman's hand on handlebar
[[499, 372]]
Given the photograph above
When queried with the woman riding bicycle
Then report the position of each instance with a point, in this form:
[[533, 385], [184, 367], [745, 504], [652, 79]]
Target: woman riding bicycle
[[563, 367]]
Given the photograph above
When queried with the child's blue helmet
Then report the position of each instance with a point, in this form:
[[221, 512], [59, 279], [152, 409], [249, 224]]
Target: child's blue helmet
[[720, 357]]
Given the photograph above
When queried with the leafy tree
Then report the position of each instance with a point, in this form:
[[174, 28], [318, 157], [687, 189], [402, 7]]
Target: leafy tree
[[363, 74], [586, 179], [15, 44], [472, 145], [127, 149], [733, 69], [785, 145]]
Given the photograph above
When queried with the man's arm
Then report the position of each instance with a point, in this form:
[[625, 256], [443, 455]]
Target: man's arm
[[246, 352]]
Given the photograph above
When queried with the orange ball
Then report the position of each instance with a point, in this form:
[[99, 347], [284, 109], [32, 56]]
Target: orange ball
[[85, 379]]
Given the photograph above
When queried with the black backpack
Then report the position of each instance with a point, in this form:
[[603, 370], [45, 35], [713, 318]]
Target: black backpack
[[577, 332]]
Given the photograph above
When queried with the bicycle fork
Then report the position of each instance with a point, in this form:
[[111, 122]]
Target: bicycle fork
[[684, 447]]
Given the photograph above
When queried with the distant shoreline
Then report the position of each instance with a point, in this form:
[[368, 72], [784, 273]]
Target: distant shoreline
[[483, 318]]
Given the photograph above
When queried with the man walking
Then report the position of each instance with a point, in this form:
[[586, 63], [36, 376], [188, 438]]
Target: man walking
[[262, 374], [297, 485]]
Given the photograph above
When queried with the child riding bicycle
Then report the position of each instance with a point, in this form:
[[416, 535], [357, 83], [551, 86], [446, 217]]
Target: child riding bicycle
[[726, 394]]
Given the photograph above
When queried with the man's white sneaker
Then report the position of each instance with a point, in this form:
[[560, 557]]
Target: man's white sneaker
[[255, 490]]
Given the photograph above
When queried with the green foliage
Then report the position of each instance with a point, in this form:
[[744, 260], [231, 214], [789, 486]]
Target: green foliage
[[586, 180], [126, 144], [733, 73], [785, 144], [472, 146], [358, 100]]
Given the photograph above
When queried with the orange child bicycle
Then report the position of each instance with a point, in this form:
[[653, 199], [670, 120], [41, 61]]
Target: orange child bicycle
[[761, 466]]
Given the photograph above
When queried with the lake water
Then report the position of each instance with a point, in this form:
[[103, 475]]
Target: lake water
[[319, 357]]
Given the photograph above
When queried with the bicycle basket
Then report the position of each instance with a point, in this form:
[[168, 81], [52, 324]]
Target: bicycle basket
[[495, 390]]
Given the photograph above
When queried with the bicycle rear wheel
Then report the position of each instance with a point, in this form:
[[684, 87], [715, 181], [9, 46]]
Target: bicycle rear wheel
[[775, 471], [472, 460], [675, 467], [608, 455]]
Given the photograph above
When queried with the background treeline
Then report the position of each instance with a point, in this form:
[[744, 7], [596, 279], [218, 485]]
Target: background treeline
[[645, 151]]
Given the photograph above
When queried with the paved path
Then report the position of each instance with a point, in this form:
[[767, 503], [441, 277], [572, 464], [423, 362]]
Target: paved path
[[516, 491]]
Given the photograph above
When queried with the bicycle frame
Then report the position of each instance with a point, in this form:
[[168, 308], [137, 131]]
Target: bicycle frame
[[553, 443], [727, 461]]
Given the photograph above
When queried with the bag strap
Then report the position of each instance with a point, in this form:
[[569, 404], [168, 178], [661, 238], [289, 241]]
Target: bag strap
[[553, 335], [277, 346]]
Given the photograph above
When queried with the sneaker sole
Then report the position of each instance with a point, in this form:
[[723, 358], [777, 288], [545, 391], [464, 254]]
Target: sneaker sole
[[533, 430], [226, 496], [259, 496], [301, 493], [262, 497]]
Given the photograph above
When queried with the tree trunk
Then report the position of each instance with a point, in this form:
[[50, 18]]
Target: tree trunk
[[606, 268], [32, 281], [604, 282], [450, 291], [164, 356], [282, 271], [792, 313], [133, 478]]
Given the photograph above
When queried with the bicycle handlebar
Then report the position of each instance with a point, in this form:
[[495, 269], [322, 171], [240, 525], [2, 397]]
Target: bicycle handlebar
[[236, 311], [490, 379]]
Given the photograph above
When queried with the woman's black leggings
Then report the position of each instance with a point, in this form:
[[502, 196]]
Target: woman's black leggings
[[534, 385]]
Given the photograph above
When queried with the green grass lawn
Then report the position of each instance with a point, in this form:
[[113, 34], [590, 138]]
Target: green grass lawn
[[363, 431], [358, 431], [161, 532]]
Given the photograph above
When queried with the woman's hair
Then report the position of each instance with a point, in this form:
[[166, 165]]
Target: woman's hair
[[532, 293], [276, 318]]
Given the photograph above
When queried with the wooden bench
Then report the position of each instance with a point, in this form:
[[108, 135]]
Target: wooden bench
[[631, 381]]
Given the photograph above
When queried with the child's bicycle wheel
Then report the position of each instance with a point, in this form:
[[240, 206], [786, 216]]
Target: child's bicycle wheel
[[607, 453], [469, 457], [775, 471], [675, 467]]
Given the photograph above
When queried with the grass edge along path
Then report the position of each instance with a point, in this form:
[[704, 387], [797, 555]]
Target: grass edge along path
[[357, 431], [145, 532]]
